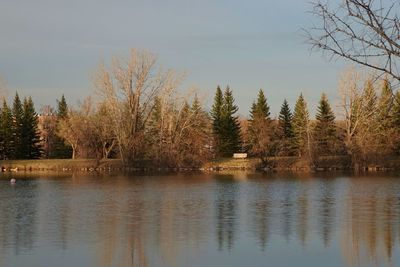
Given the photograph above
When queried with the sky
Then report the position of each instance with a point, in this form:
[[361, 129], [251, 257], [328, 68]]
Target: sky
[[52, 47]]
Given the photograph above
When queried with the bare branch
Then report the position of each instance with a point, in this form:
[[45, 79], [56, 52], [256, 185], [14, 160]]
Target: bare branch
[[363, 31]]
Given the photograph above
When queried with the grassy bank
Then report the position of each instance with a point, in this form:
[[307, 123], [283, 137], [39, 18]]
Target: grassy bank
[[61, 165], [250, 164]]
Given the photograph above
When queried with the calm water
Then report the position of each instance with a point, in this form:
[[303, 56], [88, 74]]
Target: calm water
[[200, 220]]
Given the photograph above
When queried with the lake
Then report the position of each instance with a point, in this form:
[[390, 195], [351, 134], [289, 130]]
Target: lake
[[236, 219]]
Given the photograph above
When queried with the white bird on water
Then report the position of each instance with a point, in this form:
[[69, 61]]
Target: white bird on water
[[13, 181]]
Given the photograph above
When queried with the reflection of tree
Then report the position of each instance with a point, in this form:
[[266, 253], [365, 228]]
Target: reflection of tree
[[303, 217], [124, 237], [226, 205], [24, 205], [287, 212], [369, 225], [18, 220], [260, 214], [388, 209], [326, 211]]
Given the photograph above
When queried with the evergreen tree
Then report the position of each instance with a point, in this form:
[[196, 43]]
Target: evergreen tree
[[388, 137], [196, 107], [371, 98], [226, 128], [199, 133], [301, 127], [260, 130], [285, 121], [62, 110], [61, 149], [18, 113], [285, 130], [325, 128], [216, 115], [260, 108], [230, 141], [30, 134], [385, 107], [6, 132]]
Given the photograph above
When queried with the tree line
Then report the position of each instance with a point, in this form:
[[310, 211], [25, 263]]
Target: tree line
[[138, 114], [367, 133], [22, 136]]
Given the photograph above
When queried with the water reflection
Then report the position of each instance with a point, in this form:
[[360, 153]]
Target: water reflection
[[18, 217], [303, 213], [326, 209], [200, 220], [226, 208], [260, 213]]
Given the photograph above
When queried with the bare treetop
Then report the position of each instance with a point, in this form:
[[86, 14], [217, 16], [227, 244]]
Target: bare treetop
[[366, 32]]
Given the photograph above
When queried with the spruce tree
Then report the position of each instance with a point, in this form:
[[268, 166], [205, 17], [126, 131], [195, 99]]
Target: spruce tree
[[216, 115], [385, 107], [285, 130], [18, 113], [199, 133], [201, 118], [285, 121], [371, 98], [62, 110], [30, 134], [300, 127], [260, 107], [61, 150], [196, 106], [6, 132], [230, 141], [325, 128], [260, 132]]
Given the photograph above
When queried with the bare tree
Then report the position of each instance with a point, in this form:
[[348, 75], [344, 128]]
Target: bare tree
[[79, 129], [178, 133], [366, 32], [358, 105], [70, 130], [129, 90], [47, 128], [104, 131]]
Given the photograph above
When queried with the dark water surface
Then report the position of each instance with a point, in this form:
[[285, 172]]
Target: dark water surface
[[200, 220]]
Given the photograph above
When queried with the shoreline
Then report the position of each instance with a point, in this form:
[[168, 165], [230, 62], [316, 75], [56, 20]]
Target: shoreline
[[276, 164]]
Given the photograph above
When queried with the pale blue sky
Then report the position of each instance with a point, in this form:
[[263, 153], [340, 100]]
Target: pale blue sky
[[50, 47]]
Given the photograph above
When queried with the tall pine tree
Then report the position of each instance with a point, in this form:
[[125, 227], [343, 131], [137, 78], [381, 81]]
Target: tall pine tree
[[260, 108], [325, 128], [285, 131], [61, 149], [6, 132], [230, 132], [30, 134], [385, 108], [301, 133], [260, 130], [18, 113], [216, 115], [226, 127], [285, 121]]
